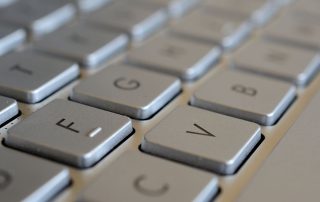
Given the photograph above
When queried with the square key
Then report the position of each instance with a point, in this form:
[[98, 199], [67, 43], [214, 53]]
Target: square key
[[177, 56], [30, 76], [135, 176], [127, 90], [246, 96], [138, 18], [38, 16], [289, 63], [69, 132], [83, 43], [207, 25], [203, 139], [27, 178]]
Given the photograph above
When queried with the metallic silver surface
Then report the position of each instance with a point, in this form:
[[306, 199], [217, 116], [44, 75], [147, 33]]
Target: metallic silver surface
[[286, 62], [127, 90], [27, 178], [70, 132], [39, 17], [85, 44], [289, 173], [137, 18], [10, 38], [182, 58], [8, 109], [250, 97], [207, 25], [203, 139], [140, 177], [30, 76]]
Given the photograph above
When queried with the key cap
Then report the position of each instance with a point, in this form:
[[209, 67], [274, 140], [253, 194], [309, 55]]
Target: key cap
[[8, 109], [127, 90], [209, 26], [134, 17], [258, 11], [91, 5], [258, 99], [30, 77], [88, 45], [10, 38], [70, 132], [289, 63], [200, 138], [39, 17], [185, 59], [27, 178], [150, 179], [295, 30], [176, 8], [290, 172]]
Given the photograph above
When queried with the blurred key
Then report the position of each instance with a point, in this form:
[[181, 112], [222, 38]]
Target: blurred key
[[200, 138], [246, 96], [144, 178], [127, 90], [10, 38], [30, 77], [135, 17], [258, 11], [85, 44], [27, 178], [8, 109], [176, 8], [209, 26], [91, 5], [179, 57], [38, 16], [70, 132], [295, 28], [289, 63]]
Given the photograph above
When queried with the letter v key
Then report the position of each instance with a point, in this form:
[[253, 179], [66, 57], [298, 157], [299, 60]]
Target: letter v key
[[204, 131]]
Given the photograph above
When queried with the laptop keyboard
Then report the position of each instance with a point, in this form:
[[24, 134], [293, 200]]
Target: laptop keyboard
[[154, 100]]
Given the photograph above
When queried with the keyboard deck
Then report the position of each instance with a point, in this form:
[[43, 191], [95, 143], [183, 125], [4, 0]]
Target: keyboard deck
[[163, 100]]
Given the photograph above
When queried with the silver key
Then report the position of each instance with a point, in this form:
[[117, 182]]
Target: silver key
[[88, 45], [150, 179], [70, 132], [290, 172], [295, 29], [8, 109], [127, 90], [280, 61], [27, 178], [30, 77], [200, 138], [176, 8], [258, 11], [245, 96], [179, 57], [91, 5], [135, 17], [39, 17], [10, 38], [209, 26]]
